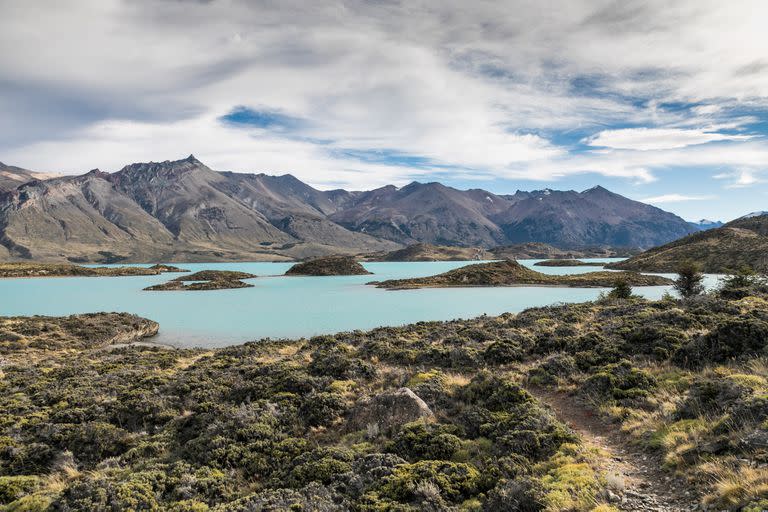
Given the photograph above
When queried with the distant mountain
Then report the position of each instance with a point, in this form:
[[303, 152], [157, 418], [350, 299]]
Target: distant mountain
[[184, 211], [11, 177], [704, 224], [569, 219], [742, 242], [753, 214], [425, 212]]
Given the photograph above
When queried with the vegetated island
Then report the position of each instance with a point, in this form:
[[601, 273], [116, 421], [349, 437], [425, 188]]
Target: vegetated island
[[430, 416], [566, 263], [328, 266], [512, 273], [742, 243], [24, 269], [206, 280], [538, 250], [429, 252], [529, 250]]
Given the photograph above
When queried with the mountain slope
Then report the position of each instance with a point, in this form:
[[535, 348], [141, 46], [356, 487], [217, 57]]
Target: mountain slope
[[425, 212], [740, 243], [11, 177], [596, 216], [76, 216], [178, 210], [185, 197]]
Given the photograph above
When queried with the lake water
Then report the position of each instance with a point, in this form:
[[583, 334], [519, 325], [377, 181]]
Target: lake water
[[280, 306]]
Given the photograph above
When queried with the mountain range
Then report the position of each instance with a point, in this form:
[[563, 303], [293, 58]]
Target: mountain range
[[184, 211]]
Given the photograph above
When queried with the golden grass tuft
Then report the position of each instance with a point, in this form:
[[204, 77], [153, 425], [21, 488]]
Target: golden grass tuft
[[736, 487]]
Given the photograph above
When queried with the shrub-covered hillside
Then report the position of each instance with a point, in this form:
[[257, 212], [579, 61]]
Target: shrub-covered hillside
[[431, 416]]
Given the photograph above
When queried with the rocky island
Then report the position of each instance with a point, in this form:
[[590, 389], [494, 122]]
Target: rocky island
[[28, 269], [328, 266], [206, 280], [566, 263], [512, 273]]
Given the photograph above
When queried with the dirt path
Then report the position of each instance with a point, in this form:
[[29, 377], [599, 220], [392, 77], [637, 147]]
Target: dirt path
[[636, 480]]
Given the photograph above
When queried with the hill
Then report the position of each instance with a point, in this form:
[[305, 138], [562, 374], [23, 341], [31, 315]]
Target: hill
[[740, 243]]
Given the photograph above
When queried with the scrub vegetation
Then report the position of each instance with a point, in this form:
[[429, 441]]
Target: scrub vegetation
[[429, 416]]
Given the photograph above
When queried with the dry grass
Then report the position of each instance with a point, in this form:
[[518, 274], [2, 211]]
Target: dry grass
[[735, 486]]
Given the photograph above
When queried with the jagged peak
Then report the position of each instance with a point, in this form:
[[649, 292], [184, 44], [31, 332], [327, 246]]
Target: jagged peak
[[597, 188]]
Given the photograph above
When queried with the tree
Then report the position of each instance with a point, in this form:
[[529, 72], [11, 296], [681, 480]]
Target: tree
[[739, 284], [621, 290], [689, 282]]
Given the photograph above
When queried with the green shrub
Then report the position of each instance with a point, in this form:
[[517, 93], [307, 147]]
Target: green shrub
[[620, 381], [14, 487], [729, 340], [419, 440], [456, 481]]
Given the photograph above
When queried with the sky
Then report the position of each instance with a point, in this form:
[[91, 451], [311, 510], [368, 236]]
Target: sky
[[664, 102]]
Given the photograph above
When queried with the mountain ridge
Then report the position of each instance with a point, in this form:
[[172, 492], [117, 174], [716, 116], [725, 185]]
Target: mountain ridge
[[185, 211]]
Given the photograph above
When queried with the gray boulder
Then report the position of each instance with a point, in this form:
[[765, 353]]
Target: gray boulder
[[386, 412]]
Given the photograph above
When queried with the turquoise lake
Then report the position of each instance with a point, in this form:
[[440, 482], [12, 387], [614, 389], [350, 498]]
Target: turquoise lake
[[280, 306]]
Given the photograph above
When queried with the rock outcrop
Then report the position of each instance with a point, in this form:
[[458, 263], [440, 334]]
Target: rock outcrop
[[330, 266], [388, 411]]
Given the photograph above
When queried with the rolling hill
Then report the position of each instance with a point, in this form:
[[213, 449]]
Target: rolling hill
[[740, 243]]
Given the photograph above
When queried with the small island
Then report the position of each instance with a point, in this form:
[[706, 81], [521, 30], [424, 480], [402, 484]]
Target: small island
[[29, 269], [512, 273], [429, 252], [566, 263], [328, 266], [205, 280]]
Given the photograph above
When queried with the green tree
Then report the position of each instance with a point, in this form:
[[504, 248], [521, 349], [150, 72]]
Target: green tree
[[689, 282], [621, 290]]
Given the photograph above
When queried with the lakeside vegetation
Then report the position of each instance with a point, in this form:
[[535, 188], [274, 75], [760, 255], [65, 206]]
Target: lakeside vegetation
[[24, 269], [433, 415], [512, 273]]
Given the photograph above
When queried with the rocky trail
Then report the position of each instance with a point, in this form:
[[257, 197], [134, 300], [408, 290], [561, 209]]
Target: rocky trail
[[636, 480]]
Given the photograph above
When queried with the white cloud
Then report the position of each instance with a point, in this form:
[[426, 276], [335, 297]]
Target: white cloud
[[647, 139], [674, 198], [740, 178], [482, 88]]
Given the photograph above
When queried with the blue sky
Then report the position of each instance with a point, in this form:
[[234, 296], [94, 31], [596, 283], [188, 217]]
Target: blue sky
[[662, 102]]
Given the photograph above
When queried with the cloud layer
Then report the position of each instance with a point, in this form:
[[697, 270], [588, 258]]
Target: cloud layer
[[357, 94]]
